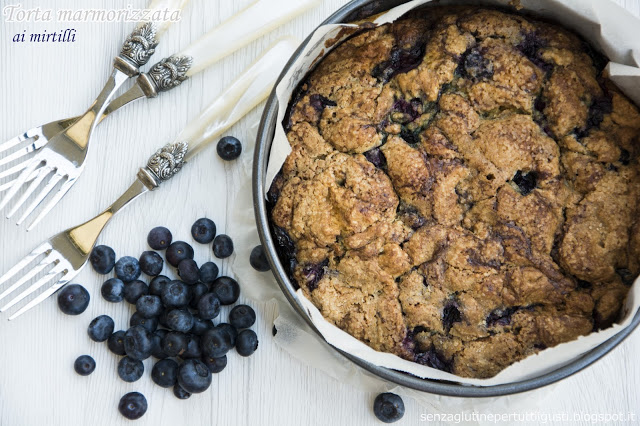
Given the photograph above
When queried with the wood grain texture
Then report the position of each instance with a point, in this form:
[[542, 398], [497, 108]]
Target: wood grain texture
[[43, 82]]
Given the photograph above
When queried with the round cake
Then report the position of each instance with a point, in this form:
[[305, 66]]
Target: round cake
[[463, 189]]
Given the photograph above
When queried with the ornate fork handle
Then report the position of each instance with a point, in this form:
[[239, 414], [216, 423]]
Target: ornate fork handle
[[137, 49]]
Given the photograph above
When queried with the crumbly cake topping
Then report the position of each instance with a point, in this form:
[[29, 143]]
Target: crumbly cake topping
[[463, 189]]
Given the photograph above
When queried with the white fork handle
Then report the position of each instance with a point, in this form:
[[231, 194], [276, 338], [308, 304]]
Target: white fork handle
[[247, 25], [246, 92], [161, 6]]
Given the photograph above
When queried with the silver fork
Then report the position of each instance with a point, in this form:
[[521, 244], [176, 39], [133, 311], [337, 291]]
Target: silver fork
[[63, 256], [62, 156]]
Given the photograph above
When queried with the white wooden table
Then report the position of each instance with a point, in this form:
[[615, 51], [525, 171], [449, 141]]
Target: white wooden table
[[42, 82]]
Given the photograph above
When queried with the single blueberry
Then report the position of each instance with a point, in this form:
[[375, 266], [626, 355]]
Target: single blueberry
[[222, 246], [194, 376], [165, 373], [242, 316], [100, 328], [450, 315], [84, 365], [188, 271], [103, 259], [134, 290], [177, 252], [215, 365], [227, 289], [138, 342], [215, 342], [157, 337], [156, 284], [180, 320], [203, 230], [502, 317], [258, 259], [180, 393], [209, 306], [149, 306], [73, 299], [376, 157], [115, 343], [197, 291], [176, 294], [208, 272], [130, 369], [247, 342], [526, 182], [193, 348], [175, 343], [229, 148], [477, 66], [200, 326], [151, 263], [230, 330], [388, 407], [313, 273], [112, 290], [127, 269], [319, 102], [159, 238], [133, 405], [150, 324]]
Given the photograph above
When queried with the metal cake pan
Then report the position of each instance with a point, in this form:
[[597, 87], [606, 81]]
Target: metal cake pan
[[355, 10]]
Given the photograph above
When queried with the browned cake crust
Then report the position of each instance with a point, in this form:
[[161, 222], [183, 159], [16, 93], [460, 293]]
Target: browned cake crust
[[462, 189]]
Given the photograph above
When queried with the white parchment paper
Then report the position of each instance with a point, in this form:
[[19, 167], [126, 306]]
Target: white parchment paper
[[607, 26]]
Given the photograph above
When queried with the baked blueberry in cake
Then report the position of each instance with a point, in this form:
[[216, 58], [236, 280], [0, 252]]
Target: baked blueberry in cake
[[463, 189]]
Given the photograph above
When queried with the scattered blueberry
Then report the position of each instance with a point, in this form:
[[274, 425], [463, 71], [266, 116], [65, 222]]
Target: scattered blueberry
[[215, 342], [209, 306], [127, 269], [84, 365], [176, 294], [73, 299], [115, 343], [112, 290], [100, 328], [175, 343], [388, 407], [242, 316], [165, 373], [247, 342], [193, 348], [313, 273], [134, 290], [151, 263], [477, 66], [229, 148], [215, 365], [180, 393], [130, 369], [197, 291], [188, 271], [149, 306], [177, 252], [180, 320], [208, 272], [501, 317], [222, 246], [203, 230], [103, 259], [258, 260], [157, 338], [200, 326], [230, 330], [227, 290], [150, 324], [194, 376], [159, 238], [138, 342], [450, 315], [133, 405], [319, 102], [155, 287]]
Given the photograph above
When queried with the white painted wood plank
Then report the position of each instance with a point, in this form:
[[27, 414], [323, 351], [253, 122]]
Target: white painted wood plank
[[39, 83]]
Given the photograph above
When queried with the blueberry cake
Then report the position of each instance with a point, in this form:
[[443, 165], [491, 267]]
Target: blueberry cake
[[463, 189]]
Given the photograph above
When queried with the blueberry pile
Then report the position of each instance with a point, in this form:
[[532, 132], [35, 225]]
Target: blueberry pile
[[173, 320]]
